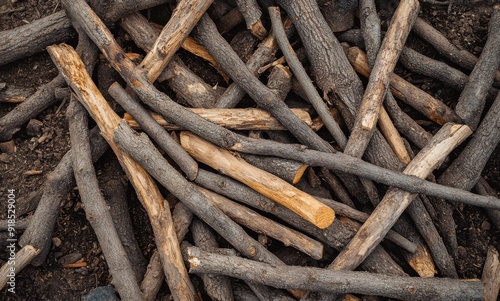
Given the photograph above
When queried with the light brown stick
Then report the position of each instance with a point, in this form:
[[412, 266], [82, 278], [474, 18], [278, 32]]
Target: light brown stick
[[491, 275], [261, 224], [387, 58], [396, 200], [70, 65], [185, 16], [434, 109], [21, 259], [265, 183], [249, 119]]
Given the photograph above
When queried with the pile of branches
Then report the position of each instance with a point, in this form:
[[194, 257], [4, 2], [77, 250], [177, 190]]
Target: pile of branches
[[233, 168]]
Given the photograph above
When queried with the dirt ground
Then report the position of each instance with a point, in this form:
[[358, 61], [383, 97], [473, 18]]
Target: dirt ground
[[465, 26]]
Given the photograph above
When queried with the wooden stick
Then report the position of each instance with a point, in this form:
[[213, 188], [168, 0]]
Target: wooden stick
[[378, 82], [251, 13], [434, 109], [269, 185], [395, 200], [55, 189], [459, 56], [408, 288], [472, 100], [405, 124], [336, 235], [491, 272], [419, 63], [155, 131], [260, 224], [218, 287], [185, 83], [289, 170], [70, 66], [17, 262], [13, 94], [229, 140], [153, 279], [301, 75], [483, 188], [44, 97], [392, 136], [248, 119], [96, 208], [185, 16], [206, 32]]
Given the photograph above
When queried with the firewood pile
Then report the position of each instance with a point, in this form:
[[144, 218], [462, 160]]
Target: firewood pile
[[307, 100]]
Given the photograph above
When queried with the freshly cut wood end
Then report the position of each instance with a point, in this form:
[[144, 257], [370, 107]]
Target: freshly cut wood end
[[299, 174], [258, 30], [422, 263], [324, 217]]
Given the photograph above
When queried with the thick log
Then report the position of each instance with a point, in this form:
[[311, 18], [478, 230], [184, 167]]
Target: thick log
[[229, 140], [301, 75], [217, 287], [96, 208], [459, 56], [392, 44], [472, 99], [269, 185], [491, 275], [396, 200], [260, 224], [434, 109], [70, 66], [331, 69], [22, 258], [315, 279]]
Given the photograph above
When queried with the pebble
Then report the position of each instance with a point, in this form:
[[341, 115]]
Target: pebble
[[102, 293], [34, 127], [70, 258]]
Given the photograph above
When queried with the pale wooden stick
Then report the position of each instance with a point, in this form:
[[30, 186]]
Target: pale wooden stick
[[260, 224], [434, 109], [387, 58], [73, 70], [21, 259], [185, 16], [392, 136], [396, 200], [265, 183], [248, 119], [491, 275]]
